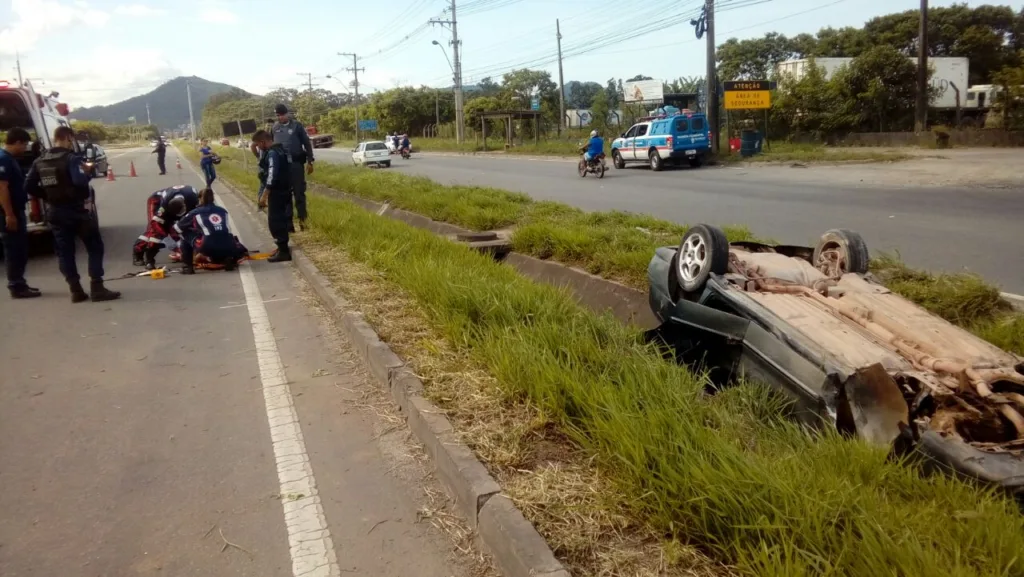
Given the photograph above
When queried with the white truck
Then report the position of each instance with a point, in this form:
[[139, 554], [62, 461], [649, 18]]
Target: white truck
[[22, 107]]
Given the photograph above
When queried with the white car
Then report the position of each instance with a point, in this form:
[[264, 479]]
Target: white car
[[373, 152]]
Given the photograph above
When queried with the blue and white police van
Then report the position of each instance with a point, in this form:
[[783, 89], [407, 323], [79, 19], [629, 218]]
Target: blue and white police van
[[671, 136]]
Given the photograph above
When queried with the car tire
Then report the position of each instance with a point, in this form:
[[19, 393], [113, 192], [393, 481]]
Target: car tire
[[852, 251], [703, 251], [655, 160], [617, 161], [387, 164]]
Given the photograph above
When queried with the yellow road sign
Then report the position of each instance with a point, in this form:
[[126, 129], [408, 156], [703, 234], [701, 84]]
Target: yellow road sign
[[748, 99]]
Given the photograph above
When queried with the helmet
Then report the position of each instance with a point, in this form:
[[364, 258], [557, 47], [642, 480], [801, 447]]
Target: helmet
[[593, 133], [176, 206]]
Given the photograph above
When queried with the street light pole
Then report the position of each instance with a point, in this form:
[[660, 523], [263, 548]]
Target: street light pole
[[456, 71], [355, 84]]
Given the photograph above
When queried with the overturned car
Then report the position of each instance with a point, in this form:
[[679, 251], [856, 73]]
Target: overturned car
[[814, 324]]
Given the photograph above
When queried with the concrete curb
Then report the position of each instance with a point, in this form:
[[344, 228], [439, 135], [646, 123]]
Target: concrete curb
[[516, 546]]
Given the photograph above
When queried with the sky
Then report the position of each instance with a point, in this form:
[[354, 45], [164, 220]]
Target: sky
[[104, 51]]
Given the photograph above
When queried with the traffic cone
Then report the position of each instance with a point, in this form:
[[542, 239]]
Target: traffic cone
[[178, 163], [132, 171], [110, 174]]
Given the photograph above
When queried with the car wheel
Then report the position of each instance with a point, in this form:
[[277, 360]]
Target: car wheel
[[841, 251], [387, 164], [581, 168], [617, 161], [656, 163], [703, 251]]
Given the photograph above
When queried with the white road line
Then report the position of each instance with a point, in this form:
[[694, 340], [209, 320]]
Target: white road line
[[264, 302], [309, 539]]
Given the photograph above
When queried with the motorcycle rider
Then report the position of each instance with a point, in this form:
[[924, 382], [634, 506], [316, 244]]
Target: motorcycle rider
[[594, 148], [406, 145], [164, 207]]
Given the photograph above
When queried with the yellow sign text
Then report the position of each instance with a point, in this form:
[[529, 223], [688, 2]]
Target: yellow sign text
[[748, 99]]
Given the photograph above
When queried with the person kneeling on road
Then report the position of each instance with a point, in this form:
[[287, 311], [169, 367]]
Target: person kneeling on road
[[277, 195], [205, 236], [163, 208], [61, 179]]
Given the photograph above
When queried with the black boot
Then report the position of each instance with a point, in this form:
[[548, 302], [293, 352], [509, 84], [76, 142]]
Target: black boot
[[101, 293], [78, 293], [188, 269], [137, 259], [25, 292], [283, 254]]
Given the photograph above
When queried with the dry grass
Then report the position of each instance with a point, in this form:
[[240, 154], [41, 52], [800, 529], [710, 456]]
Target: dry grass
[[557, 487]]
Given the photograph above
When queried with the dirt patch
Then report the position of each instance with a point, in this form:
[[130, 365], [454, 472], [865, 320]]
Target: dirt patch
[[990, 168]]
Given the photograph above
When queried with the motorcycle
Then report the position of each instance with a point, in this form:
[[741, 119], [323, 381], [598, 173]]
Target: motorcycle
[[594, 166], [406, 152]]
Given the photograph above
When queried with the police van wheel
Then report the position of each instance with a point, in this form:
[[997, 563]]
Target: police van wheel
[[617, 161], [656, 163]]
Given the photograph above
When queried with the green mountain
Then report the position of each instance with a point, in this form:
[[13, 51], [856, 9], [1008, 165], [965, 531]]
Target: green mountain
[[168, 104]]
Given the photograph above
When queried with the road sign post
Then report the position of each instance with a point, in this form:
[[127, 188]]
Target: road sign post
[[748, 95], [368, 125]]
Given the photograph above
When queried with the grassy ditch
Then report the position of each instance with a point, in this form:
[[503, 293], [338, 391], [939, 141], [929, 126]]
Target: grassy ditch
[[619, 245], [727, 473]]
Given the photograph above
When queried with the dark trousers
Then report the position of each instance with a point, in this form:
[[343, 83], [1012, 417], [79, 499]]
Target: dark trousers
[[69, 223], [298, 180], [160, 162], [210, 173], [279, 203], [15, 250]]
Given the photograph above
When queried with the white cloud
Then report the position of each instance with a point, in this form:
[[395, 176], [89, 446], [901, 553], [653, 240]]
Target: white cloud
[[95, 81], [215, 15], [34, 20], [138, 10]]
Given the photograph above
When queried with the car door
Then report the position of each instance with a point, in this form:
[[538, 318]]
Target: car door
[[626, 150], [640, 141], [357, 154]]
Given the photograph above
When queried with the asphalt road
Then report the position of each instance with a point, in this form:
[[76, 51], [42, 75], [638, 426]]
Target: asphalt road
[[135, 436], [937, 228]]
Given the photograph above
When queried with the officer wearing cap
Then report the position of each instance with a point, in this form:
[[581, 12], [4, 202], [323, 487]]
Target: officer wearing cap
[[60, 177], [291, 134]]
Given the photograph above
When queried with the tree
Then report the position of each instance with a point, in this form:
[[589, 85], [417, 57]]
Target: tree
[[809, 105], [877, 90], [639, 77], [685, 84], [580, 95], [600, 111], [613, 92], [1011, 98], [756, 58], [487, 87]]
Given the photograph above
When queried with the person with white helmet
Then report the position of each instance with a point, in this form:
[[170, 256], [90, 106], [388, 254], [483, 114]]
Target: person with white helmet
[[594, 148]]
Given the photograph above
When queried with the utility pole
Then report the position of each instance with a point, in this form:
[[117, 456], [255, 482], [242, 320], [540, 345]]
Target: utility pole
[[149, 119], [711, 80], [460, 124], [437, 110], [17, 59], [921, 112], [561, 79], [355, 70], [191, 119], [309, 79]]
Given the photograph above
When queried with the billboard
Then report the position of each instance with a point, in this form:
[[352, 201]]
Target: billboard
[[643, 91], [229, 129]]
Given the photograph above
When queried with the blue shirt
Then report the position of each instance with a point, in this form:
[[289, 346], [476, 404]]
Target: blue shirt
[[209, 222], [204, 151], [10, 172], [595, 146]]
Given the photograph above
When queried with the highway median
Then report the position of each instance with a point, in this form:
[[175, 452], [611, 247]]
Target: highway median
[[618, 457]]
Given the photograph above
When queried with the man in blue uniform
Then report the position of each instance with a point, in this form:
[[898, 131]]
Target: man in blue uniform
[[61, 179], [277, 195], [204, 231], [290, 133], [13, 199], [595, 147], [163, 208]]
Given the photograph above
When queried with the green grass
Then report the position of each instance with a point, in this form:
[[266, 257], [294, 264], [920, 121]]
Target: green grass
[[787, 152], [619, 245], [728, 472]]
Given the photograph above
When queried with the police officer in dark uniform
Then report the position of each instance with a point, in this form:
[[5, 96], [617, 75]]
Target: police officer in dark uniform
[[61, 179], [290, 133], [277, 196], [161, 154], [13, 231]]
